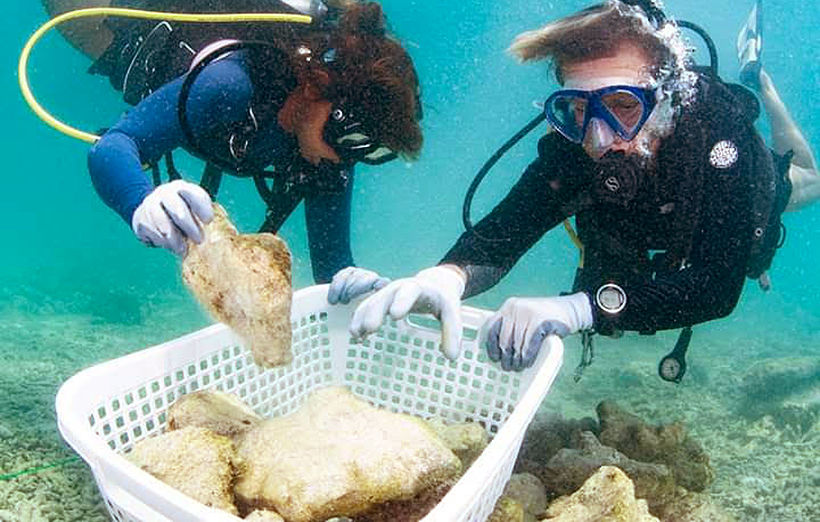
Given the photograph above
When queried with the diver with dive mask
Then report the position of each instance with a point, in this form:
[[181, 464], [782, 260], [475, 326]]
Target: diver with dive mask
[[245, 97], [597, 118], [654, 157]]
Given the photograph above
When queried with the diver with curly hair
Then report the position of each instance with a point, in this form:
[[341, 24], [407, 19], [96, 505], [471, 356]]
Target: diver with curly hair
[[308, 101]]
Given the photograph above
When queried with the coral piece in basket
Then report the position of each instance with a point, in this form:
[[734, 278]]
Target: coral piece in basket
[[339, 456], [223, 413], [467, 440], [244, 281], [263, 515], [196, 461]]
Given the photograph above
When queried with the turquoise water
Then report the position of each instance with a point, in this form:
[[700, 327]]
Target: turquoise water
[[77, 288]]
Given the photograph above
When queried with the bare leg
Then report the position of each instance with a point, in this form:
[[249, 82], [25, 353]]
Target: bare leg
[[787, 136], [88, 35]]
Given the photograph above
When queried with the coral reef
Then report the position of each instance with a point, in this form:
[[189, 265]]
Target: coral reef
[[669, 444], [567, 470], [665, 464], [507, 509], [607, 496], [529, 492]]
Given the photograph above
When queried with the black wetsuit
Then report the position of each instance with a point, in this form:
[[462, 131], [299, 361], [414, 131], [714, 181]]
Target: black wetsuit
[[680, 249]]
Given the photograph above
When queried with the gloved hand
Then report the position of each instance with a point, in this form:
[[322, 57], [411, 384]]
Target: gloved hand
[[351, 282], [169, 214], [435, 290], [515, 333]]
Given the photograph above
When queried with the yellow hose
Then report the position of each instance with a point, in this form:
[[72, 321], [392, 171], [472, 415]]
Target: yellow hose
[[22, 66]]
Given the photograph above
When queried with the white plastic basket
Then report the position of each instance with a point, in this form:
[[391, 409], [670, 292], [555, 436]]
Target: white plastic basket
[[103, 410]]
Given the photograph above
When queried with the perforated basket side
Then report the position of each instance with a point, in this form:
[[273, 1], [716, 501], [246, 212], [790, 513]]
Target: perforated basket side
[[401, 368], [473, 497], [105, 409]]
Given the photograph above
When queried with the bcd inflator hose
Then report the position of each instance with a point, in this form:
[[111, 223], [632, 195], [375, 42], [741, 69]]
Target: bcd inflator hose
[[22, 66]]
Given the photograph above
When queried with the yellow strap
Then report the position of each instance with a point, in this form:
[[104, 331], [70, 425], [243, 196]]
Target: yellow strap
[[22, 66], [576, 240]]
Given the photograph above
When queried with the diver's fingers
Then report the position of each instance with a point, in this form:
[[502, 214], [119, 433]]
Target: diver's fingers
[[149, 235], [359, 282], [488, 336], [406, 297], [533, 345], [520, 331], [198, 200], [370, 315], [180, 214], [451, 328], [171, 237], [338, 285], [505, 342]]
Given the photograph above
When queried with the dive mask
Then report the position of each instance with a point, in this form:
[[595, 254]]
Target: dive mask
[[352, 141], [624, 108]]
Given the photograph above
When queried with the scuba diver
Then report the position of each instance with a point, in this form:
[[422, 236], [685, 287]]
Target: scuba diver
[[787, 138], [310, 101], [675, 196]]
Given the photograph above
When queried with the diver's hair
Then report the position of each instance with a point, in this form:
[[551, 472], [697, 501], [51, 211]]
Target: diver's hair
[[375, 74], [371, 73], [595, 32]]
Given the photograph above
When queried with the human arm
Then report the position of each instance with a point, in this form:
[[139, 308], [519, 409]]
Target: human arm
[[327, 214], [539, 200], [152, 128], [548, 192]]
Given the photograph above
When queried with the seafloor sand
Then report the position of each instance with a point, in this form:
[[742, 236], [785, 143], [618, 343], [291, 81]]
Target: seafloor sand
[[767, 469]]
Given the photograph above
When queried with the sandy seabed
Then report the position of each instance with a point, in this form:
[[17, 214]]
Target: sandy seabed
[[766, 469]]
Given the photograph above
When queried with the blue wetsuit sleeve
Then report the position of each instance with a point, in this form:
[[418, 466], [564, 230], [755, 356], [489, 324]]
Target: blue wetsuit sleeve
[[219, 95], [328, 226]]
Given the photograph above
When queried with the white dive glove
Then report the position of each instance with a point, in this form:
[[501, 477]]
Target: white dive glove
[[169, 214], [514, 334], [351, 282], [435, 290]]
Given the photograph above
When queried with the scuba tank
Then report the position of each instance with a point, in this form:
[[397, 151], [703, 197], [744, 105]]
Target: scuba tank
[[146, 54]]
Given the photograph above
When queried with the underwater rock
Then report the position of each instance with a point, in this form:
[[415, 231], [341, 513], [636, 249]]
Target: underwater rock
[[508, 509], [607, 496], [669, 445], [545, 438], [222, 413], [244, 281], [339, 456], [467, 440], [529, 492], [195, 461], [569, 468]]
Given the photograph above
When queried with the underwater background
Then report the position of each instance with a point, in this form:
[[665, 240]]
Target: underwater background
[[76, 288]]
